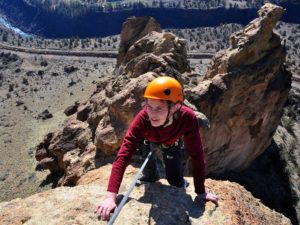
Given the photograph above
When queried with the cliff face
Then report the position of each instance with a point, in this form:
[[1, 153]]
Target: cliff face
[[243, 94], [155, 203]]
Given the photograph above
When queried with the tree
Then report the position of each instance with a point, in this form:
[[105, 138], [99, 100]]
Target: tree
[[4, 37], [161, 4]]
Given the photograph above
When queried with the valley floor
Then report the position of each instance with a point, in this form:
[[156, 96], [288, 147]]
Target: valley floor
[[26, 93]]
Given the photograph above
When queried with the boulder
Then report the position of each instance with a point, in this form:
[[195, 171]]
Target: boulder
[[157, 52], [132, 30], [145, 48], [70, 110], [83, 112], [70, 69], [66, 151], [44, 115]]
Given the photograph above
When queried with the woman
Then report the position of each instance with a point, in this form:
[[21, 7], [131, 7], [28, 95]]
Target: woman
[[163, 121]]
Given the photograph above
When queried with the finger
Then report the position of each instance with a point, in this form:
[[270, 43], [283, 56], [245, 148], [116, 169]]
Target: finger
[[103, 214], [215, 197], [99, 211], [214, 200], [96, 209], [107, 213], [99, 214]]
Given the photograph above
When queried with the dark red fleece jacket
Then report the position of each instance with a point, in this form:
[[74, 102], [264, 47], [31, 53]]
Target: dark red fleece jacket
[[184, 124]]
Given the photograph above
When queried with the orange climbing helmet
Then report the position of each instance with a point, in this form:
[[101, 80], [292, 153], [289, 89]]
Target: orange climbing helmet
[[164, 88]]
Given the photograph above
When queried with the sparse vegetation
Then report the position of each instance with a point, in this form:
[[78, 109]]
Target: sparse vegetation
[[105, 43], [207, 39], [201, 39], [81, 7], [290, 34], [288, 139]]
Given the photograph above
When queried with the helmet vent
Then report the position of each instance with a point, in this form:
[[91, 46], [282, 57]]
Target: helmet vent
[[167, 91]]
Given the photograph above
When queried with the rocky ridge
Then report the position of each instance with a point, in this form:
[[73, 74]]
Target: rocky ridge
[[155, 203], [242, 95]]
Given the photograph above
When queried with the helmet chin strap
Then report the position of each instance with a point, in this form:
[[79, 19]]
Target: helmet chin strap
[[167, 119]]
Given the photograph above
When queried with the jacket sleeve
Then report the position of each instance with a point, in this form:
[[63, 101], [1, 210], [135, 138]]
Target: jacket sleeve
[[132, 139], [193, 144]]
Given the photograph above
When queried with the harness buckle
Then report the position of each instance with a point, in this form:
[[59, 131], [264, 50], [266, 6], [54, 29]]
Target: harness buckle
[[176, 143]]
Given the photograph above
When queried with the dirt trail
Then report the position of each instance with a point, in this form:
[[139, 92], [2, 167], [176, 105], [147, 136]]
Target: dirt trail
[[101, 53]]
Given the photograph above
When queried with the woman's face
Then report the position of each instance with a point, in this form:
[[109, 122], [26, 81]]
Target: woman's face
[[157, 111]]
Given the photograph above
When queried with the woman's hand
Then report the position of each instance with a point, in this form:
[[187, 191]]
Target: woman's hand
[[105, 208], [206, 196]]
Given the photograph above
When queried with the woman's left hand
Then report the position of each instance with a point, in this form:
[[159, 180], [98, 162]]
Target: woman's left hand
[[206, 196]]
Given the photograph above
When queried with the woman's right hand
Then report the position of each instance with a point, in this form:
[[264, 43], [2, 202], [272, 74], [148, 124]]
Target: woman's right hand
[[105, 208]]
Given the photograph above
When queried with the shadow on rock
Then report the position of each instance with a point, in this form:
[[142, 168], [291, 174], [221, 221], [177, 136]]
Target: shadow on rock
[[265, 179], [52, 179], [170, 205]]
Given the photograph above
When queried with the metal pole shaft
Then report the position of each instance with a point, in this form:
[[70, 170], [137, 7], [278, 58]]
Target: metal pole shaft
[[120, 206]]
